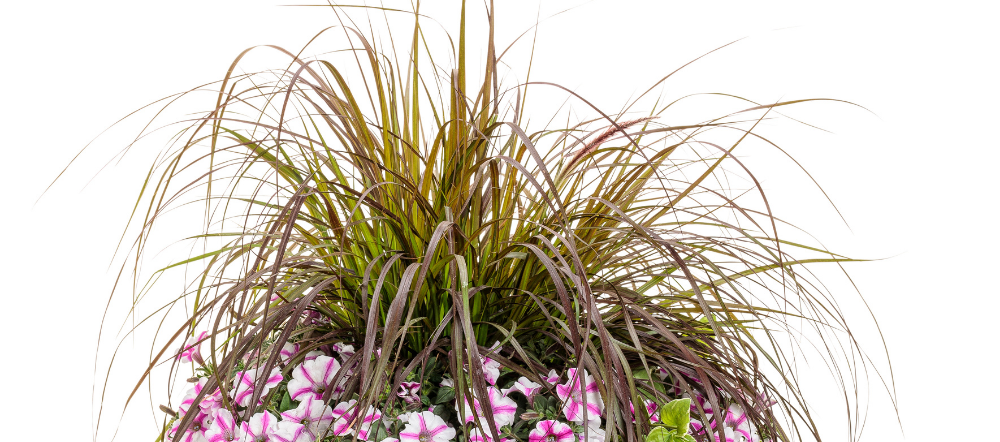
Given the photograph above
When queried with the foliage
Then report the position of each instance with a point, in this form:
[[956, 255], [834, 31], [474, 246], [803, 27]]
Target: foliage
[[411, 210]]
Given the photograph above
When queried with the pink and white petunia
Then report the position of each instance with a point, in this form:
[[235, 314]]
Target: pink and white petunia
[[552, 377], [410, 392], [728, 435], [259, 428], [194, 433], [291, 432], [476, 436], [426, 427], [315, 416], [246, 384], [525, 387], [593, 434], [287, 351], [209, 403], [345, 350], [551, 431], [491, 368], [348, 418], [191, 350], [312, 378], [738, 420], [579, 386], [651, 408], [224, 427], [503, 408]]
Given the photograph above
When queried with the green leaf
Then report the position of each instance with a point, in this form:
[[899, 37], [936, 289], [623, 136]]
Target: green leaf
[[444, 394], [659, 434], [676, 414], [286, 403]]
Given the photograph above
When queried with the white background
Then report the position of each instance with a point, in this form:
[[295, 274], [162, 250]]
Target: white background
[[916, 181]]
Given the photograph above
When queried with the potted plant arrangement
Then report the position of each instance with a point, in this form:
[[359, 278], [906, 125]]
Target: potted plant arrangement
[[403, 258]]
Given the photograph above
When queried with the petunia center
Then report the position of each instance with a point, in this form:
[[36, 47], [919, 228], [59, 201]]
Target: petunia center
[[550, 438], [304, 421], [425, 436]]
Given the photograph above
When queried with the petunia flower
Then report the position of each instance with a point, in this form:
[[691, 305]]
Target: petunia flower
[[314, 415], [525, 387], [287, 351], [593, 434], [426, 427], [503, 408], [738, 420], [194, 433], [651, 408], [347, 418], [312, 378], [224, 427], [448, 382], [410, 392], [579, 386], [491, 368], [390, 439], [345, 350], [259, 428], [476, 436], [191, 350], [727, 433], [291, 432], [552, 377], [246, 385], [551, 431], [209, 403]]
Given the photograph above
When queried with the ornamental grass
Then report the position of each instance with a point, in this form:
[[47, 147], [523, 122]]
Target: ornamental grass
[[401, 255]]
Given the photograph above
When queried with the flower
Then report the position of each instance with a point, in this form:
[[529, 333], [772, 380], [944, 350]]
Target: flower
[[224, 427], [209, 403], [593, 434], [551, 431], [476, 436], [312, 378], [579, 386], [410, 392], [194, 433], [345, 350], [491, 368], [503, 409], [737, 419], [552, 377], [259, 428], [390, 439], [426, 427], [246, 384], [313, 414], [191, 350], [525, 387], [651, 408], [291, 432], [448, 382], [346, 419], [287, 351]]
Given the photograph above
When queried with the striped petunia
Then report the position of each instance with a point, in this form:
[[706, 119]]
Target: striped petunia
[[312, 377], [525, 387], [503, 408], [259, 428], [314, 415], [191, 350], [224, 427], [581, 386], [551, 431], [426, 427], [247, 383]]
